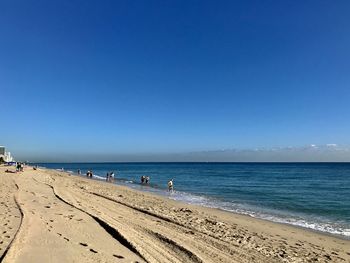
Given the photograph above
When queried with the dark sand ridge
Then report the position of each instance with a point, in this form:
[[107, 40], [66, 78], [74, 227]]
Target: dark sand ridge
[[68, 218]]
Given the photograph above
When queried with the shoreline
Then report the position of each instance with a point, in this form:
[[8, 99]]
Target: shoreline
[[163, 192], [187, 232], [218, 210]]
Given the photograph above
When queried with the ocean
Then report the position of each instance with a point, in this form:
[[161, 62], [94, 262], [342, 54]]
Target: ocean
[[309, 195]]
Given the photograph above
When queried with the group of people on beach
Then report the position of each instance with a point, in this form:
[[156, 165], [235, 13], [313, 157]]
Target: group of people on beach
[[145, 179], [89, 174], [110, 177], [19, 167]]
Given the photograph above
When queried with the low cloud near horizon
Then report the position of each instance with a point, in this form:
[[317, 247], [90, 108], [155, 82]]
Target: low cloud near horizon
[[311, 153]]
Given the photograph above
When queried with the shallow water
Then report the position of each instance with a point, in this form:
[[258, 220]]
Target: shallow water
[[312, 195]]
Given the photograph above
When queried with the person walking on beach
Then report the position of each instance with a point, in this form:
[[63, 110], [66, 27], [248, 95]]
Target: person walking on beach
[[143, 179], [107, 177], [79, 172], [147, 179], [170, 185]]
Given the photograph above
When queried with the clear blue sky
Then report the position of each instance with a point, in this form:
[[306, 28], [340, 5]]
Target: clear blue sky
[[172, 76]]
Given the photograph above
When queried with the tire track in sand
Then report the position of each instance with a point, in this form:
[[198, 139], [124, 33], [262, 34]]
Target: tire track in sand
[[11, 215], [153, 237], [53, 231], [110, 230]]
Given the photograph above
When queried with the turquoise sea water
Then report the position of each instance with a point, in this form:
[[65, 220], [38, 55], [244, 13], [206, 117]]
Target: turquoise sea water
[[311, 195]]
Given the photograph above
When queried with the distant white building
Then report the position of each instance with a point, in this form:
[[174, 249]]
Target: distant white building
[[6, 156]]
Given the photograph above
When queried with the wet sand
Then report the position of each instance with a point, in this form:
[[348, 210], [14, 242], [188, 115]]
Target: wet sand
[[50, 216]]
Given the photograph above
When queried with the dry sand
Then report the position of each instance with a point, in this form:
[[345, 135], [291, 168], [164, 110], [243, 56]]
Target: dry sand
[[50, 216]]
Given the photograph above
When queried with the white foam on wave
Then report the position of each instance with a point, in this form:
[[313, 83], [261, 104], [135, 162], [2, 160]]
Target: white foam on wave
[[128, 182], [310, 223], [189, 198], [319, 226], [245, 209], [98, 177], [275, 216]]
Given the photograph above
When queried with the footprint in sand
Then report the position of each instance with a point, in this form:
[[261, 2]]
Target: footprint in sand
[[47, 206]]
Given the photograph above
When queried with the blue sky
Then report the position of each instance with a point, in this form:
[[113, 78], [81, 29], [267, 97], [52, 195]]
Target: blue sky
[[143, 77]]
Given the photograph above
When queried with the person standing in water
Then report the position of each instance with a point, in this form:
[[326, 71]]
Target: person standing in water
[[111, 177], [89, 174], [170, 185], [143, 178]]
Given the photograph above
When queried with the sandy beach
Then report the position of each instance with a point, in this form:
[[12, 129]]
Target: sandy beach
[[51, 216]]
